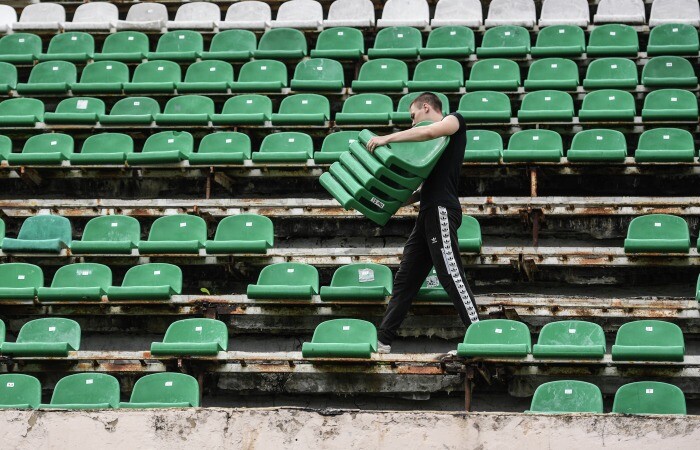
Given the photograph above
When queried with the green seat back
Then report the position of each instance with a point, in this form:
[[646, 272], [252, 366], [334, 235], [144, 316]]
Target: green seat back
[[363, 275], [652, 333], [289, 274], [19, 391], [82, 275], [484, 140], [611, 73], [46, 227], [20, 44], [649, 397], [224, 142], [197, 331], [50, 329], [505, 40], [546, 72], [81, 105], [340, 38], [319, 69], [496, 71], [498, 332], [8, 75], [233, 40], [548, 101], [404, 105], [368, 103], [22, 107], [613, 39], [53, 72], [669, 70], [345, 331], [107, 143], [567, 396], [180, 41], [671, 99], [439, 70], [157, 72], [5, 149], [658, 233], [72, 42], [125, 42], [263, 70], [245, 227], [87, 389], [49, 143], [469, 233], [113, 228], [673, 39], [535, 140], [305, 104], [178, 227], [209, 72], [608, 100], [339, 141], [135, 106], [398, 37], [384, 69], [481, 105], [283, 39], [2, 324], [670, 139], [572, 332], [599, 139], [166, 388], [188, 104], [248, 104], [451, 37], [164, 141], [287, 141], [20, 275], [154, 274], [560, 40], [105, 72]]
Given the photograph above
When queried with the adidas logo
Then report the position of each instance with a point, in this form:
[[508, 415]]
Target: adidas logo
[[434, 240]]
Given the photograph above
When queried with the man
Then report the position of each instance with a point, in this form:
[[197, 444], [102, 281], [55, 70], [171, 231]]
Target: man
[[433, 241]]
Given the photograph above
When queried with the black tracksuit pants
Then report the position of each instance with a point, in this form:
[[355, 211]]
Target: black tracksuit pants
[[433, 242]]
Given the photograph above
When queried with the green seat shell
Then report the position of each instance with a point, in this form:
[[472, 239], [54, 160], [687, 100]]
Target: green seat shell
[[546, 106], [396, 42], [598, 144], [19, 281], [504, 41], [73, 46], [575, 339], [131, 111], [665, 145], [77, 282], [207, 76], [670, 105], [669, 71], [5, 149], [113, 234], [484, 146], [342, 338], [552, 73], [360, 281], [190, 337], [334, 145], [231, 46], [179, 233], [649, 340], [485, 106], [40, 234], [50, 77], [224, 147], [318, 74], [449, 42], [365, 109], [180, 45], [164, 390], [154, 281], [671, 39], [102, 77], [611, 73], [657, 233], [534, 145], [104, 148], [19, 391], [613, 39], [242, 233], [186, 110], [469, 235], [163, 148], [340, 43], [281, 43], [286, 280], [154, 77], [85, 391], [50, 336], [494, 74], [565, 397], [381, 75], [21, 112], [8, 78], [496, 338], [442, 75], [649, 397], [262, 75], [288, 146], [559, 40], [76, 110], [303, 109], [249, 109], [20, 48], [124, 46], [608, 105]]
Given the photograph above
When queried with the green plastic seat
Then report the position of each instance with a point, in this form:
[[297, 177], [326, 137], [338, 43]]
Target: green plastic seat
[[263, 75], [18, 391], [124, 46], [504, 41], [396, 42], [334, 145], [318, 74], [485, 106], [607, 105], [248, 109], [154, 77], [339, 43], [131, 111], [193, 337], [449, 42], [207, 76], [154, 281], [50, 77], [76, 110], [20, 48], [483, 145], [164, 390], [366, 109], [231, 46], [431, 290], [5, 149], [102, 77], [496, 337], [43, 149], [19, 281], [186, 110], [494, 74], [285, 280], [669, 71], [381, 75], [552, 73], [613, 39], [402, 113], [671, 39], [289, 146], [657, 233], [361, 281], [342, 338], [534, 145], [649, 397], [180, 45], [570, 339], [559, 40], [363, 186], [114, 234], [546, 106], [372, 210], [469, 235], [88, 390], [303, 109], [21, 112], [566, 397], [442, 75], [104, 148], [665, 145], [697, 289], [179, 233], [8, 78], [598, 145], [225, 147], [50, 336], [670, 105], [73, 46], [649, 340], [281, 43], [242, 233], [78, 282], [611, 73], [42, 234], [163, 148]]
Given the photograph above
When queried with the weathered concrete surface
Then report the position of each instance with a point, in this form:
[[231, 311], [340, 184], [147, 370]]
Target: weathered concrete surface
[[293, 428]]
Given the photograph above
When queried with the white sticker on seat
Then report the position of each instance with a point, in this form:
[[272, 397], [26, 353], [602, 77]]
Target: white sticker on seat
[[438, 66], [568, 391], [249, 102], [484, 99], [290, 270], [130, 38], [675, 30], [340, 33], [384, 66], [476, 138], [212, 69], [649, 328], [149, 11], [84, 273], [183, 224], [54, 142], [674, 99], [546, 99], [161, 68], [182, 36], [21, 40], [599, 138], [10, 384], [74, 38], [137, 103], [507, 33], [562, 31], [346, 327], [88, 381], [156, 272], [319, 68], [350, 141], [81, 104], [304, 102], [228, 141], [612, 97], [198, 329], [365, 275], [496, 66], [20, 277], [668, 64], [613, 66], [613, 33], [168, 383], [368, 102], [572, 330], [535, 138], [400, 35], [649, 391], [657, 224], [263, 67], [666, 137], [290, 140], [452, 33], [170, 141], [114, 224], [52, 328], [249, 224], [554, 66], [498, 331], [54, 68], [108, 67]]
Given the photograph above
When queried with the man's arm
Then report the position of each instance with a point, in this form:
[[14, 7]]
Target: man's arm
[[446, 127]]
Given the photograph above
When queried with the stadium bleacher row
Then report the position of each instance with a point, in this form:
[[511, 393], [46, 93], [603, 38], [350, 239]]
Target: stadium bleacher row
[[262, 88]]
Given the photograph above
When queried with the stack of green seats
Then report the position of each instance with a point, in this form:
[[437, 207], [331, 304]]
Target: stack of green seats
[[378, 184]]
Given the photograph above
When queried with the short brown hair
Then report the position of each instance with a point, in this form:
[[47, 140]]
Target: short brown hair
[[429, 98]]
